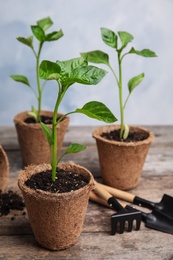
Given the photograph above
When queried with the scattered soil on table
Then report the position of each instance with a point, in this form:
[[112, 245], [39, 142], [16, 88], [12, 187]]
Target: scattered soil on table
[[133, 136], [65, 181], [10, 201]]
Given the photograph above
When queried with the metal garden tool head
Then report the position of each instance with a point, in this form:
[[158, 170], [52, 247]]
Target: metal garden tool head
[[165, 206], [156, 220], [123, 216]]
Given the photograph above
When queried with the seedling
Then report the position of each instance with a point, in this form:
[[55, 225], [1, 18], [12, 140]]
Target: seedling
[[66, 73], [39, 33], [112, 39]]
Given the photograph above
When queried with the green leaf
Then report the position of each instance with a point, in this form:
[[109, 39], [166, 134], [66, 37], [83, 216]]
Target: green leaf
[[49, 70], [97, 110], [75, 148], [96, 56], [54, 36], [21, 79], [125, 38], [45, 23], [89, 75], [69, 65], [109, 37], [47, 133], [27, 41], [145, 53], [135, 81], [38, 33]]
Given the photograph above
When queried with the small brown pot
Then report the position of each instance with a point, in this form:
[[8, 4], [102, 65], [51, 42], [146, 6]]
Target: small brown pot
[[121, 163], [33, 144], [56, 219], [4, 169]]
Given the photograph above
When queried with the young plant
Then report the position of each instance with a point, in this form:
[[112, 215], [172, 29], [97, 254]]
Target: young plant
[[66, 73], [112, 39], [39, 32]]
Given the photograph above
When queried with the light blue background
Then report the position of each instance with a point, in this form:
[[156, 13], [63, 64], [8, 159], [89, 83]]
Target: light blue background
[[149, 21]]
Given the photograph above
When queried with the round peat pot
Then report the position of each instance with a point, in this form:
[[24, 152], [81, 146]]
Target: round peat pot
[[33, 144], [4, 169], [121, 163], [56, 218]]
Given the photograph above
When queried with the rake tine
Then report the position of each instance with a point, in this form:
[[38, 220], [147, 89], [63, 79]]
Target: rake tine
[[131, 215], [122, 216]]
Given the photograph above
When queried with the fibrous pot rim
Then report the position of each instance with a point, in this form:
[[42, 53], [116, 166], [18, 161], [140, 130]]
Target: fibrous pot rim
[[104, 129], [70, 166]]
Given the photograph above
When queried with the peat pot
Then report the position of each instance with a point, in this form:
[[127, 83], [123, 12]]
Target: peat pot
[[121, 163], [32, 142], [56, 218], [4, 169]]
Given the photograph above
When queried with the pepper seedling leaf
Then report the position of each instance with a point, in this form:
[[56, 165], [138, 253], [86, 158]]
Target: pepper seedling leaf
[[49, 70], [47, 133], [38, 33], [27, 41], [97, 110], [135, 81], [54, 36], [96, 56], [144, 53], [125, 38], [21, 79], [45, 23], [109, 37], [75, 148], [89, 75]]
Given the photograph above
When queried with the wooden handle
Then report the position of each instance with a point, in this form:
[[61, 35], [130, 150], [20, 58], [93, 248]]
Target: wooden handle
[[94, 197], [126, 196], [102, 192]]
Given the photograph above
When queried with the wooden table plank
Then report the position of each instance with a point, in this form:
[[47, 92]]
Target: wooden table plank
[[17, 240]]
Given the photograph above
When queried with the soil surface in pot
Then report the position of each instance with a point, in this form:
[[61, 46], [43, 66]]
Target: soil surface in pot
[[45, 119], [65, 181], [10, 201], [133, 136]]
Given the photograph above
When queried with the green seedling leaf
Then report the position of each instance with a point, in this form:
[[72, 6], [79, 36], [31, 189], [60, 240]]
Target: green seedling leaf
[[54, 36], [21, 79], [96, 57], [47, 133], [38, 33], [27, 41], [145, 53], [75, 148], [97, 110], [45, 23], [49, 70], [69, 65], [135, 81], [125, 38], [33, 113], [109, 37], [89, 75]]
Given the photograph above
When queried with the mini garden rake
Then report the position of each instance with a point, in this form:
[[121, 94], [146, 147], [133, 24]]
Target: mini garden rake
[[123, 215]]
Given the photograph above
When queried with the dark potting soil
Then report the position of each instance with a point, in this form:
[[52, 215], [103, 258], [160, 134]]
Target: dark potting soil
[[9, 201], [133, 136], [45, 119], [65, 181]]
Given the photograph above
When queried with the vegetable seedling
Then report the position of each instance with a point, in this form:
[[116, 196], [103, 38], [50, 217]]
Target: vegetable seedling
[[112, 39], [66, 73], [39, 33]]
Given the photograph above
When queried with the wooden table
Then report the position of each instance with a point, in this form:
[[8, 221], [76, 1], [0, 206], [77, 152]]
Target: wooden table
[[16, 237]]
